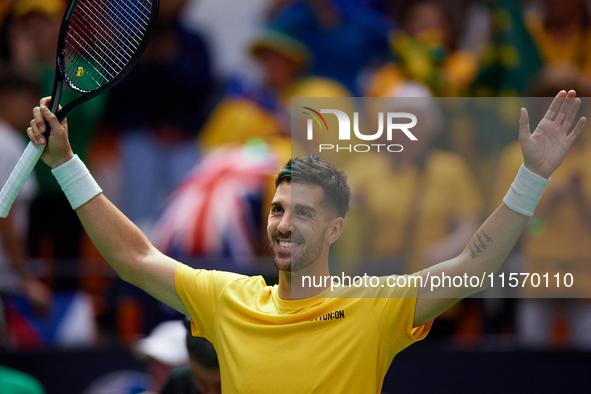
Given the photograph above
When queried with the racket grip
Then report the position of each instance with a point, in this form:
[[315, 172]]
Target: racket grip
[[18, 177]]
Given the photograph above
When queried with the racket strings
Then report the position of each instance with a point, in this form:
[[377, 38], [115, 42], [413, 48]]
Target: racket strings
[[85, 37], [102, 40], [118, 24], [115, 29]]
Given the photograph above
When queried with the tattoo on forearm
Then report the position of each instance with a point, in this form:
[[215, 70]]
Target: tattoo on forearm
[[472, 252], [479, 243]]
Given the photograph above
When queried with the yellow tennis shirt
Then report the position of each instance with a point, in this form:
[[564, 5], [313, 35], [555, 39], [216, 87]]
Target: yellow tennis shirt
[[316, 345]]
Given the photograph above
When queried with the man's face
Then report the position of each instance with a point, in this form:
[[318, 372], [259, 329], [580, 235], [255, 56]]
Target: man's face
[[298, 226], [207, 380]]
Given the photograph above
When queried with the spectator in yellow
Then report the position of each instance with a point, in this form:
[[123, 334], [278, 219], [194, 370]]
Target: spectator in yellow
[[561, 30], [558, 237], [413, 208], [426, 51], [422, 203], [263, 112]]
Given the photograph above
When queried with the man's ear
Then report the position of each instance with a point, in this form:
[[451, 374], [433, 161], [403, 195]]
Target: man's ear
[[337, 227]]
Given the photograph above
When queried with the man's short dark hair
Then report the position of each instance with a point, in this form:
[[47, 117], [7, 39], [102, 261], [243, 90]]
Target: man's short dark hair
[[200, 349], [313, 171]]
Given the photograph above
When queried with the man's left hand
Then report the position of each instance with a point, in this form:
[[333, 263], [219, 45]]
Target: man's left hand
[[545, 148]]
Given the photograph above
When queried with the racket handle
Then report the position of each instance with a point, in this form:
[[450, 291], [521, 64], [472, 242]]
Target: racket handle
[[18, 177]]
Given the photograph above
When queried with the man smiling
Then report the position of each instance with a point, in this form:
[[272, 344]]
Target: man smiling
[[268, 340], [306, 218]]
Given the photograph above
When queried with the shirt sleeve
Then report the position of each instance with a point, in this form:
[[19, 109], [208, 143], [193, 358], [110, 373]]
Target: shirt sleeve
[[200, 291], [394, 309]]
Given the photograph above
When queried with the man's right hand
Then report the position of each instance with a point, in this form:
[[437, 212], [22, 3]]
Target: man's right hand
[[58, 150]]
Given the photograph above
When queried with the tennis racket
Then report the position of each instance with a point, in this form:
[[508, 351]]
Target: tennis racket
[[99, 43]]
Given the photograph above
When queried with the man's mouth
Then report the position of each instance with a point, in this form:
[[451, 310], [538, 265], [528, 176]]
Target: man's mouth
[[288, 244]]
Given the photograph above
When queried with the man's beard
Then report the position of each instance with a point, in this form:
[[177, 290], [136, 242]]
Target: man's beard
[[300, 260]]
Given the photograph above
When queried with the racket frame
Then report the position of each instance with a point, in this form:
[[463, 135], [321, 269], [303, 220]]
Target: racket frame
[[61, 76]]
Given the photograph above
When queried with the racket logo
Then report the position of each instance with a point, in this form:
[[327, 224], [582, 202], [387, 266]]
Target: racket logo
[[79, 71]]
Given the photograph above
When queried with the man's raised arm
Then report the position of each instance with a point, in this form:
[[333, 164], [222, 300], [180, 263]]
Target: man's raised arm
[[119, 241], [543, 151]]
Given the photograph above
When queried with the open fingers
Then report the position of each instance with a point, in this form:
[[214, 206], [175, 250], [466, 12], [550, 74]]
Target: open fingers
[[577, 130], [524, 130], [555, 106], [566, 106], [571, 114]]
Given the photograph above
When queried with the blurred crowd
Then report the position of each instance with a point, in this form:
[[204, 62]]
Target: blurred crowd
[[188, 143]]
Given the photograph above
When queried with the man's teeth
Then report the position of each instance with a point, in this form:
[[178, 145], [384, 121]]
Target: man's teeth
[[287, 244]]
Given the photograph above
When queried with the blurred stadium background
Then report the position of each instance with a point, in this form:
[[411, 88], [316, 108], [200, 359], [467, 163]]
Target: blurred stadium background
[[190, 157]]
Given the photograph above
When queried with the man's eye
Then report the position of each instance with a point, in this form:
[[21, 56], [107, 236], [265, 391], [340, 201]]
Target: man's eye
[[304, 213], [276, 209]]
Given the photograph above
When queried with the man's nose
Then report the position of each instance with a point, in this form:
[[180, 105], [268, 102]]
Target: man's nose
[[285, 223]]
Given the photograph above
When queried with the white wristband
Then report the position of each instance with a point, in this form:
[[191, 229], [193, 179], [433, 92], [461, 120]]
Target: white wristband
[[76, 182], [525, 192]]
